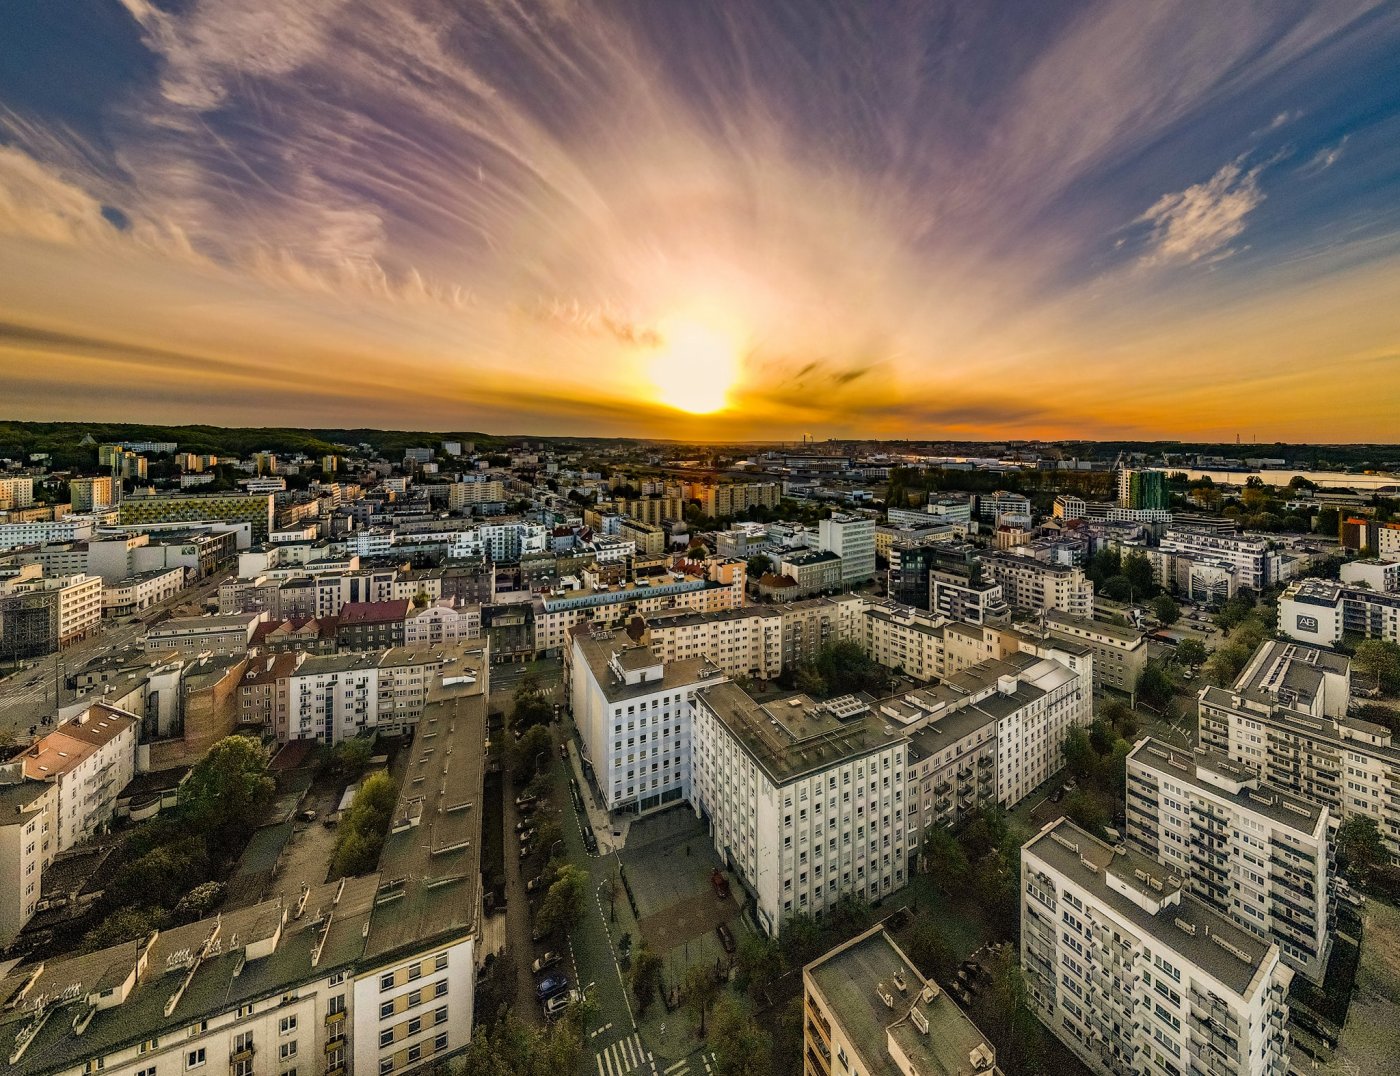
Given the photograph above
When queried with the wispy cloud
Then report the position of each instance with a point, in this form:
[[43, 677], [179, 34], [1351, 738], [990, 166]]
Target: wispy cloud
[[1202, 220], [1324, 158]]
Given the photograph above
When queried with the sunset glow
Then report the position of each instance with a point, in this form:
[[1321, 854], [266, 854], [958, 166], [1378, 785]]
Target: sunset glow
[[694, 368]]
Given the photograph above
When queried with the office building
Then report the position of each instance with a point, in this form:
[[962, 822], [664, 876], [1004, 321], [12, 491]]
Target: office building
[[1068, 507], [39, 532], [852, 538], [1253, 851], [867, 1009], [1135, 974], [632, 711], [1322, 611], [43, 614], [254, 509], [804, 799], [1256, 560], [960, 592]]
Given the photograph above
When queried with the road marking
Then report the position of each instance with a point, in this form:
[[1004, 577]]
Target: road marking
[[678, 1065]]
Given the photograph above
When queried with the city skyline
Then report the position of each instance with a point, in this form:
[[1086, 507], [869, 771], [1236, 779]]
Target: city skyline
[[730, 223]]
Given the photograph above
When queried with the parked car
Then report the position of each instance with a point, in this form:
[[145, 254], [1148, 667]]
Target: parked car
[[564, 751], [527, 834], [545, 962], [535, 884], [524, 801], [550, 986], [522, 826], [556, 1006], [590, 842], [726, 937]]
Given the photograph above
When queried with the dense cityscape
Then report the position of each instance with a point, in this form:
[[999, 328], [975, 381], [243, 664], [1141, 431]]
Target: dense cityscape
[[639, 757], [729, 538]]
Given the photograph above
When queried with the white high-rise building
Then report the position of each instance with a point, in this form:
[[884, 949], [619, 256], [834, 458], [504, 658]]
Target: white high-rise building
[[1136, 975], [852, 538], [1027, 583], [1256, 853], [633, 714], [805, 800]]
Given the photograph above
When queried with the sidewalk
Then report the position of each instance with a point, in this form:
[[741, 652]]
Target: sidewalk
[[602, 824]]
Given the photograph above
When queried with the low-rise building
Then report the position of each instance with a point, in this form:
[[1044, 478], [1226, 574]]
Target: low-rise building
[[131, 595], [1257, 853], [190, 635], [1120, 654], [375, 625], [1133, 973]]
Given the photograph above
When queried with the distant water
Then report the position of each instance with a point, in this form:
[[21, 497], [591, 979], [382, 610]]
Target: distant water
[[1282, 476]]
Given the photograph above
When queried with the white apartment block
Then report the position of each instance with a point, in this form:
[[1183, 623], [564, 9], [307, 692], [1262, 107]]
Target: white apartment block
[[852, 538], [804, 800], [1256, 853], [1256, 562], [500, 541], [1321, 611], [41, 532], [1136, 975], [17, 492], [1027, 583], [957, 597], [633, 715], [89, 758], [739, 642], [1379, 575], [28, 842], [441, 624]]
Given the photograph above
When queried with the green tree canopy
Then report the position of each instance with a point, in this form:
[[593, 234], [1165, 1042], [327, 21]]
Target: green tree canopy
[[945, 859], [1165, 609], [531, 753], [564, 900], [227, 792], [741, 1047], [645, 976], [361, 835], [1360, 847], [1379, 659], [1191, 651]]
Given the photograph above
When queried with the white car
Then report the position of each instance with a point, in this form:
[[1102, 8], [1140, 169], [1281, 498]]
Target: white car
[[559, 1003]]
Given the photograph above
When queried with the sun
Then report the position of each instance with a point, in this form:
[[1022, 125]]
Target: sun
[[695, 367]]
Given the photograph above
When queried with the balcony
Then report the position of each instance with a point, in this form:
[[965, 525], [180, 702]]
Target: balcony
[[245, 1054]]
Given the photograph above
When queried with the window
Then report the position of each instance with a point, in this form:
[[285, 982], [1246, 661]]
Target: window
[[440, 1043], [386, 982], [337, 978], [336, 1004], [440, 988], [386, 1066], [440, 962], [287, 1025], [194, 1058], [386, 1010], [288, 1049]]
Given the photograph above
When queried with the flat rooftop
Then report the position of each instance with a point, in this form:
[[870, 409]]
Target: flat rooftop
[[797, 735], [1256, 795], [1294, 673], [852, 978], [599, 648], [1183, 924]]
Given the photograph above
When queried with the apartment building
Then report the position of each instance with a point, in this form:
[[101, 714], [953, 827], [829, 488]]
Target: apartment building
[[28, 842], [730, 498], [90, 494], [739, 642], [1322, 611], [373, 625], [1380, 575], [966, 645], [1120, 654], [654, 510], [812, 571], [254, 509], [1253, 851], [720, 587], [135, 593], [1256, 561], [1030, 584], [441, 624], [804, 800], [633, 715], [867, 1009], [906, 638], [16, 492], [464, 494], [89, 759], [43, 532], [1309, 679], [951, 770], [1135, 974], [966, 597], [852, 538], [190, 635], [1143, 489], [501, 542], [648, 538]]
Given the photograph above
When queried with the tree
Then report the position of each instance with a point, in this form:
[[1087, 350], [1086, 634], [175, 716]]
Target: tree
[[124, 924], [1360, 847], [930, 951], [801, 938], [527, 752], [564, 901], [758, 566], [1155, 686], [1379, 658], [1080, 759], [741, 1047], [945, 859], [531, 706], [1087, 810], [353, 755], [227, 792], [758, 962], [161, 876], [1226, 664], [200, 901], [360, 837], [1166, 610], [809, 681], [645, 976], [1138, 571], [1191, 651], [700, 990]]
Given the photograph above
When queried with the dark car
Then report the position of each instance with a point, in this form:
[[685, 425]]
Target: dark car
[[551, 985], [726, 937], [590, 842]]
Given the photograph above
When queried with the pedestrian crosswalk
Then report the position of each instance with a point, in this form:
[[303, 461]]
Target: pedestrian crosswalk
[[694, 1065], [624, 1057]]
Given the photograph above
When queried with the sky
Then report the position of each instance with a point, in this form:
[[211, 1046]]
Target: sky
[[705, 220]]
